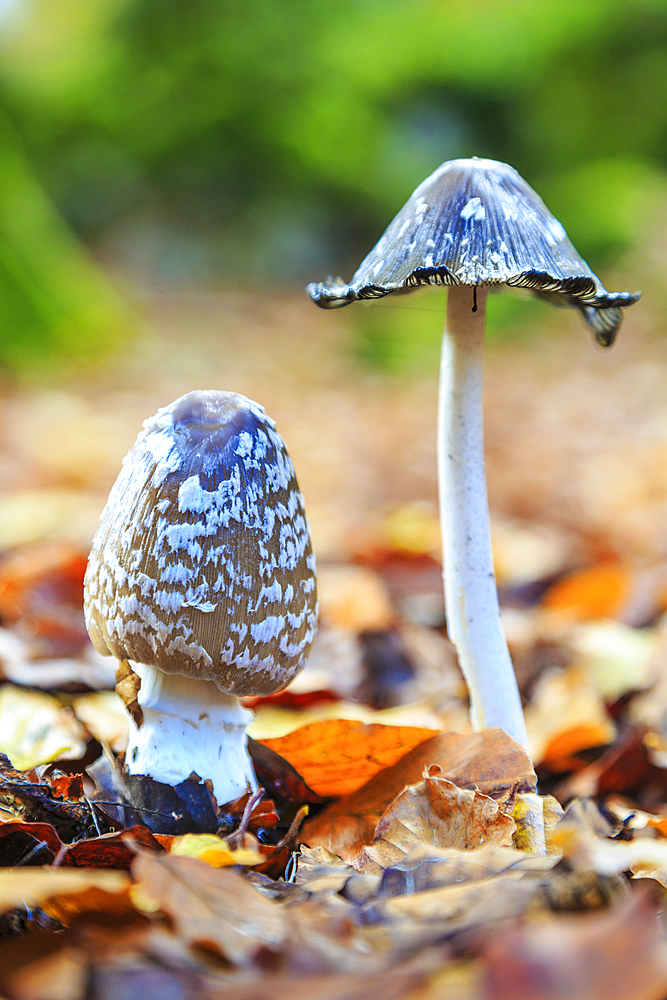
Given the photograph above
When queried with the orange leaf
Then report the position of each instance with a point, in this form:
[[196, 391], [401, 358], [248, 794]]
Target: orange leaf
[[490, 762], [563, 747], [594, 592], [337, 756]]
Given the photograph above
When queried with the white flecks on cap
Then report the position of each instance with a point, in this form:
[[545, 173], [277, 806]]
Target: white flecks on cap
[[202, 515]]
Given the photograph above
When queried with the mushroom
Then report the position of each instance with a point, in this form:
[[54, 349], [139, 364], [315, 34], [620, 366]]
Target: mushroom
[[202, 578], [472, 224]]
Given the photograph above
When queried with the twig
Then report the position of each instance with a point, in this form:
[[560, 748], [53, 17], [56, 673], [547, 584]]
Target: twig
[[234, 839], [35, 850]]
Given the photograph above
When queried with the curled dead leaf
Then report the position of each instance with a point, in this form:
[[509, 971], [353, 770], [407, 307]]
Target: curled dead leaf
[[127, 689], [489, 761], [437, 813]]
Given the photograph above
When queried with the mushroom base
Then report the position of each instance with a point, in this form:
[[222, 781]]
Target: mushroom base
[[190, 726]]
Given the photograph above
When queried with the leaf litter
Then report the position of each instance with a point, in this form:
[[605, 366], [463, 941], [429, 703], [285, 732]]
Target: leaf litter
[[392, 851]]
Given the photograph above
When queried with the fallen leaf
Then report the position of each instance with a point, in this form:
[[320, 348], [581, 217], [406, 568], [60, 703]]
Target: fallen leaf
[[593, 592], [282, 781], [644, 857], [59, 976], [473, 904], [276, 857], [489, 761], [318, 869], [273, 721], [24, 843], [427, 867], [111, 850], [353, 597], [127, 689], [37, 801], [66, 786], [41, 589], [337, 756], [63, 894], [627, 767], [247, 813], [36, 729], [213, 850], [566, 715], [633, 818], [439, 814], [615, 954], [288, 698], [616, 658], [187, 807], [105, 718], [524, 552], [533, 815], [210, 907]]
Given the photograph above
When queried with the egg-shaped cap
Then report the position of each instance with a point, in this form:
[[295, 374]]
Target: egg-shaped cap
[[477, 222], [202, 564]]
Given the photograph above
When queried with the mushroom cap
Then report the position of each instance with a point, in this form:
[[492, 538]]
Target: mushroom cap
[[477, 222], [202, 563]]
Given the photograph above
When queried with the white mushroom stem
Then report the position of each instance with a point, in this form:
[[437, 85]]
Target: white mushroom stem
[[190, 725], [471, 597]]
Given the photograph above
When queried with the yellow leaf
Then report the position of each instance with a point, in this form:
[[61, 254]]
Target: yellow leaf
[[214, 851], [65, 893], [36, 729]]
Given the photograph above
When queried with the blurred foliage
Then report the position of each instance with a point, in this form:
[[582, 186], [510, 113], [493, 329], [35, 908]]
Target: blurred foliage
[[192, 141]]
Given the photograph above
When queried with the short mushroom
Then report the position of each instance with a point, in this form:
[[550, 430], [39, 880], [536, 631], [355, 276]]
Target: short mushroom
[[472, 224], [202, 576]]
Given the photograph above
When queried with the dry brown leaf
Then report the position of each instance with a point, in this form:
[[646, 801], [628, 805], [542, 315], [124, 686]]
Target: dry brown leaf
[[127, 689], [59, 976], [473, 904], [41, 586], [210, 907], [566, 715], [65, 894], [437, 813], [325, 933], [104, 716], [319, 869], [490, 761], [433, 868], [337, 756], [616, 954], [401, 982], [353, 597]]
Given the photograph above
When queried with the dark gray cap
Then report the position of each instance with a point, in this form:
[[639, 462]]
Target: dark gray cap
[[477, 222]]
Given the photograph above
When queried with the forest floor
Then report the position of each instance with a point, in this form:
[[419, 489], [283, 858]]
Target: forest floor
[[393, 851]]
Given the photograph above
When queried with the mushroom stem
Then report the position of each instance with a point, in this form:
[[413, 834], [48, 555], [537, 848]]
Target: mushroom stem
[[190, 725], [471, 598]]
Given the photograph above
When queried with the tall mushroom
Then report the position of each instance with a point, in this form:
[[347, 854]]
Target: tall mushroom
[[472, 224], [202, 576]]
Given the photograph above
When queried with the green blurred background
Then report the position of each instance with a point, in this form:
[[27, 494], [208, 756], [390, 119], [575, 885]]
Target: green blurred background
[[199, 143]]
